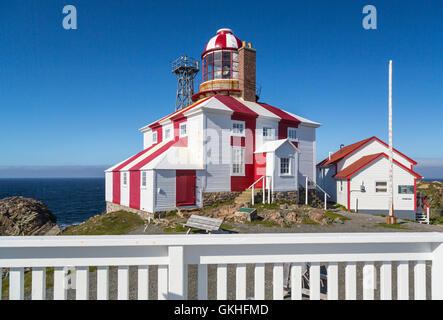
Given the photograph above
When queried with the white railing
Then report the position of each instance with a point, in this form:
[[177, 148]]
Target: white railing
[[266, 183], [326, 195], [331, 257]]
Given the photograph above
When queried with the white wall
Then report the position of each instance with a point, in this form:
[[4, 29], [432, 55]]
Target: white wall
[[327, 182], [342, 196], [260, 123], [124, 192], [370, 148], [306, 144], [146, 193], [283, 183], [194, 128], [147, 139], [379, 171], [164, 192], [217, 152], [108, 186]]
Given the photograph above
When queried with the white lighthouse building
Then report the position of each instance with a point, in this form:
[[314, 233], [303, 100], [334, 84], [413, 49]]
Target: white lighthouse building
[[218, 146]]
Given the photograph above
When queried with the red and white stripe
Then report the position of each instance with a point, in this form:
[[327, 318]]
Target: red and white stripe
[[224, 39]]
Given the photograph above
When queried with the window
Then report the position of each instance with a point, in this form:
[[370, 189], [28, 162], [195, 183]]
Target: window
[[405, 189], [238, 128], [381, 186], [143, 178], [167, 133], [268, 133], [284, 166], [222, 64], [341, 185], [154, 137], [292, 134], [182, 129], [238, 161], [125, 178]]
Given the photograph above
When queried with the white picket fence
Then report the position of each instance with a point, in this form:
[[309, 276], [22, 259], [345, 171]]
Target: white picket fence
[[379, 254]]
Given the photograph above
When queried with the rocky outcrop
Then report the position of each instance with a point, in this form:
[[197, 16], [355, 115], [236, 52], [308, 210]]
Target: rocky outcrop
[[21, 216]]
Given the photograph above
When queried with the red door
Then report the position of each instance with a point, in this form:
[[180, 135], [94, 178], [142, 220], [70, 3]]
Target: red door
[[185, 188]]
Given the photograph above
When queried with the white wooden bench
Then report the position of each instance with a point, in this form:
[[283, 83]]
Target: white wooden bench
[[204, 223]]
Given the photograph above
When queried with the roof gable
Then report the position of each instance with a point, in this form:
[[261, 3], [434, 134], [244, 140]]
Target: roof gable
[[271, 146], [365, 161], [347, 150]]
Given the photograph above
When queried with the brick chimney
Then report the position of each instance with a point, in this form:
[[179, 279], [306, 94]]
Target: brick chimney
[[246, 72]]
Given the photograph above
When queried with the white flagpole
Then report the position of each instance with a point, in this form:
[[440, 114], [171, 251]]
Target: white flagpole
[[391, 182]]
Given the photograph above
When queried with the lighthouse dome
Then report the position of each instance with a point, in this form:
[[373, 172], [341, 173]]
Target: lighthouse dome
[[224, 39]]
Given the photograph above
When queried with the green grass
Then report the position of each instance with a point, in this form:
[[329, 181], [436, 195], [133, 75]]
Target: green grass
[[267, 206], [177, 229], [332, 215], [219, 204], [381, 215], [436, 220], [172, 214], [264, 223], [113, 223], [392, 226], [310, 221], [226, 226]]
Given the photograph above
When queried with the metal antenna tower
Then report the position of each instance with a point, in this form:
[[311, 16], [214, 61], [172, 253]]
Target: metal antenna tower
[[185, 69]]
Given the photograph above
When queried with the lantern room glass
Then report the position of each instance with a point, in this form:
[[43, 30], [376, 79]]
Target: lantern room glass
[[221, 64]]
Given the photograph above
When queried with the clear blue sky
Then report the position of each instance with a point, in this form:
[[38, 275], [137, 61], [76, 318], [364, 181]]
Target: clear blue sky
[[78, 97]]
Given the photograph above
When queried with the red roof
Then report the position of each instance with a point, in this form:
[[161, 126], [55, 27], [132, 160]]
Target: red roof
[[361, 163], [345, 151]]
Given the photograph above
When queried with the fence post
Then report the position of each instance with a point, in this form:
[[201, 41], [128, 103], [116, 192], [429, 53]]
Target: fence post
[[436, 272], [427, 214], [176, 272], [326, 207], [264, 191], [252, 196], [268, 183], [306, 191]]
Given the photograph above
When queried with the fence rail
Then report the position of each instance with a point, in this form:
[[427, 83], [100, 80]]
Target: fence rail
[[388, 255]]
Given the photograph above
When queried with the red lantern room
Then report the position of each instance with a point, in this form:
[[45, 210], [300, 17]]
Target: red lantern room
[[222, 66]]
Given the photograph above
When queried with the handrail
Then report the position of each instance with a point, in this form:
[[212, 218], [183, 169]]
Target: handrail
[[264, 192], [321, 189], [256, 182]]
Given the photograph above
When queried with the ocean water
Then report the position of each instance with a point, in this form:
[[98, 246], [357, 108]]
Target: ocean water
[[72, 200]]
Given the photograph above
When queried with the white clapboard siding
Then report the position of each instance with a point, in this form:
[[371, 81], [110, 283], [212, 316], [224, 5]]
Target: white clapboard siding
[[240, 282], [60, 283], [16, 283], [202, 281], [314, 281], [123, 283], [103, 283], [162, 284], [259, 281], [143, 283], [368, 280], [420, 280], [386, 280], [82, 283], [38, 283], [332, 272], [277, 280], [403, 280], [222, 289], [350, 281]]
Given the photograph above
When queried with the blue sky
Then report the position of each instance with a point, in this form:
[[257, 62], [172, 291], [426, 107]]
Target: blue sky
[[78, 97]]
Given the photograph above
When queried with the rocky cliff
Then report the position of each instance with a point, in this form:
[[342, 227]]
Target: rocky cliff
[[21, 216]]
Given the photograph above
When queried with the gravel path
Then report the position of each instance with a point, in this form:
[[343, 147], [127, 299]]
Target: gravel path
[[358, 223]]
